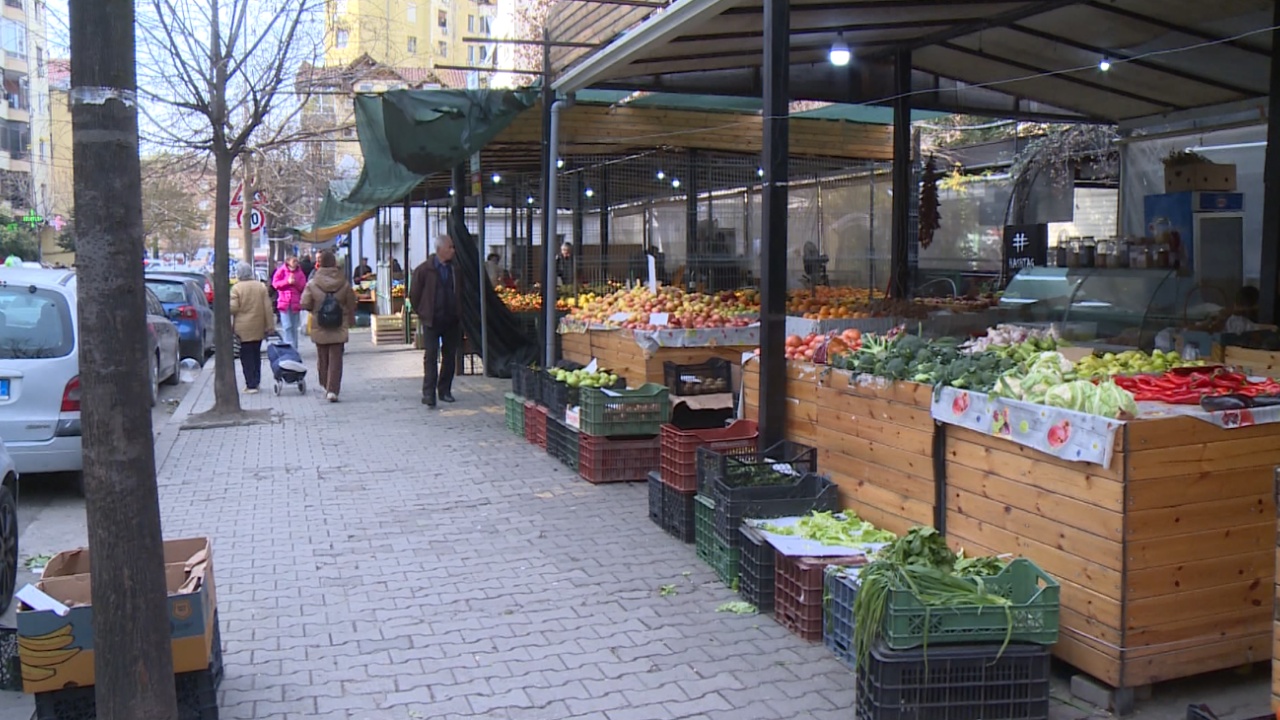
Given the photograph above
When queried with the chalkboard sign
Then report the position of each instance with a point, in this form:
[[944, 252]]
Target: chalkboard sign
[[1025, 246]]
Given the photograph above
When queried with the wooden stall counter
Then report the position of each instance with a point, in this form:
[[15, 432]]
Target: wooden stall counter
[[618, 351], [1167, 556]]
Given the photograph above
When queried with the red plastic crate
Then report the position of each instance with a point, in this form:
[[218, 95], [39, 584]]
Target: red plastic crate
[[680, 449], [535, 424], [603, 460], [798, 590]]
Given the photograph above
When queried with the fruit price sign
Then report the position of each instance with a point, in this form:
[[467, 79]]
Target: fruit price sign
[[1066, 434], [1025, 246]]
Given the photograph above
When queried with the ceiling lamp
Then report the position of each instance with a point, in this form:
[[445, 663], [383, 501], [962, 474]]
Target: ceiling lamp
[[661, 175], [840, 55], [560, 163], [1104, 64], [529, 199], [589, 192], [675, 183], [496, 178]]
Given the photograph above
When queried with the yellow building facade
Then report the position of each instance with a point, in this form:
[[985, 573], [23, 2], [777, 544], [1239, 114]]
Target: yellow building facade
[[409, 33]]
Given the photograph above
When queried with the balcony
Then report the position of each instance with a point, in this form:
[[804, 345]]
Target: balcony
[[14, 11], [14, 63]]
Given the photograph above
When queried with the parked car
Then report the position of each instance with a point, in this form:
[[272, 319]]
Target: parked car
[[203, 279], [163, 346], [39, 370], [185, 305], [8, 529]]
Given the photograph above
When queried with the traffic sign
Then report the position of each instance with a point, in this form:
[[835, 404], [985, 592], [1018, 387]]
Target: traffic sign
[[257, 219], [237, 197]]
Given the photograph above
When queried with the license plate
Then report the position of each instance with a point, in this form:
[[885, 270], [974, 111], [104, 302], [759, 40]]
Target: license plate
[[4, 389]]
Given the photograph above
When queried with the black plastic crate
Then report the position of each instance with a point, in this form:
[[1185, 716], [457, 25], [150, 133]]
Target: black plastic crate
[[811, 492], [707, 378], [197, 693], [755, 570], [562, 443], [840, 591], [780, 464], [655, 498], [677, 513], [954, 682]]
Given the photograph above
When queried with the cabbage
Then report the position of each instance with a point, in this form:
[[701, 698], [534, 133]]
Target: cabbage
[[1008, 386], [1050, 361], [1111, 400], [1076, 395], [1038, 382]]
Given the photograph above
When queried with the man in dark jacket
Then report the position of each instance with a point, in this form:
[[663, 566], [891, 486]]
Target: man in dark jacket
[[436, 293]]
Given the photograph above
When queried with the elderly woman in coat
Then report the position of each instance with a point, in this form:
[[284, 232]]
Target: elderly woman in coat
[[332, 304], [252, 320]]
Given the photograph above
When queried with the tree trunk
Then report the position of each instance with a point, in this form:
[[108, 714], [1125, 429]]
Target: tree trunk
[[226, 397], [132, 663]]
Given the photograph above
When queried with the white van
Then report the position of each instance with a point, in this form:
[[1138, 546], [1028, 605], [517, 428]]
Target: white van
[[40, 370]]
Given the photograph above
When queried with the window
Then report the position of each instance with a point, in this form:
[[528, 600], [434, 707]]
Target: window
[[444, 48], [37, 324], [413, 44], [340, 40], [340, 7], [471, 23], [484, 53], [366, 87], [15, 139], [39, 61], [411, 12], [13, 38], [42, 149], [486, 25], [471, 54], [442, 19], [14, 3]]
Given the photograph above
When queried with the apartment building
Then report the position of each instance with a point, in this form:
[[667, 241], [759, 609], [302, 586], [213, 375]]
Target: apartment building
[[420, 34]]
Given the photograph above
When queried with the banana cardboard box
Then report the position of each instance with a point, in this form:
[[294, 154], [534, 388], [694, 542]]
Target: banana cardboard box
[[56, 652]]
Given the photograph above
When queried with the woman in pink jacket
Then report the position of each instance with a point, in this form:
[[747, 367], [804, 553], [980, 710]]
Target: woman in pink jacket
[[289, 281]]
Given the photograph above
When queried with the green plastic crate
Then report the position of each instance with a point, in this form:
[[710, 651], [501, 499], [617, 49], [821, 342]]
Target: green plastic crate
[[515, 413], [1034, 613], [725, 560], [641, 411], [704, 527]]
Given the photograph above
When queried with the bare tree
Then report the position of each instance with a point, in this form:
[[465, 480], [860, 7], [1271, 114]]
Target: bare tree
[[171, 215], [216, 72]]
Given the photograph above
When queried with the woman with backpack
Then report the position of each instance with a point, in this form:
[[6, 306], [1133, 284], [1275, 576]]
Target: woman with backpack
[[332, 304]]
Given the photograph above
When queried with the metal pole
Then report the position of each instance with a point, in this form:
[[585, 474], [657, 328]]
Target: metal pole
[[603, 193], [898, 268], [405, 310], [773, 268], [548, 240], [483, 279], [1267, 274], [871, 228]]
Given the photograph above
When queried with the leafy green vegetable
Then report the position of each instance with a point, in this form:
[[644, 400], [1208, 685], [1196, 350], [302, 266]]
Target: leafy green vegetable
[[921, 546], [845, 530], [667, 590], [738, 608]]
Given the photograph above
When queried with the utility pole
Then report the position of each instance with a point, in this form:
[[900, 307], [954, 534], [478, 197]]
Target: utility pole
[[133, 665], [246, 209]]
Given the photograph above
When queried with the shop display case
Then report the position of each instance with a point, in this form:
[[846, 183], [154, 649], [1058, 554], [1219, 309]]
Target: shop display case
[[1110, 307]]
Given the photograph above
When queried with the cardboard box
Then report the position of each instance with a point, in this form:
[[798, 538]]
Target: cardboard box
[[1199, 176], [56, 652]]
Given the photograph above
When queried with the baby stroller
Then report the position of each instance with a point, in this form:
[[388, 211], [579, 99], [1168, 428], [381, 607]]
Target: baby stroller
[[286, 365]]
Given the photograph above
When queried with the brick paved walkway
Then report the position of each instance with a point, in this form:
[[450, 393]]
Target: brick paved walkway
[[378, 559]]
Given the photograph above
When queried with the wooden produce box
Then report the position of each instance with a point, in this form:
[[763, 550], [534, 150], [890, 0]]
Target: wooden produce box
[[618, 351], [1165, 557], [389, 329], [1254, 362], [1199, 176]]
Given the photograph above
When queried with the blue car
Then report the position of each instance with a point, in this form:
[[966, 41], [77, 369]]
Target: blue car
[[185, 305]]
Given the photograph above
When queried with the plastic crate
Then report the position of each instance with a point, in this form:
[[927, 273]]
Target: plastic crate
[[562, 443], [680, 449], [603, 460], [677, 513], [798, 589], [725, 561], [535, 424], [755, 570], [1034, 611], [559, 396], [655, 499], [780, 464], [524, 382], [515, 413], [841, 585], [713, 376], [197, 693], [704, 527], [641, 411], [812, 492], [954, 682]]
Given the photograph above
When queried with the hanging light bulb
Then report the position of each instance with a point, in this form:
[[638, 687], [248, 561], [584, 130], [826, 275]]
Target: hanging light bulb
[[451, 193], [1104, 64], [560, 163], [760, 172], [589, 192], [840, 54], [497, 178], [675, 182], [529, 199], [661, 175]]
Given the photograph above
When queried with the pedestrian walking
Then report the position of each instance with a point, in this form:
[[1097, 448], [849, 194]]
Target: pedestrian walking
[[289, 282], [252, 320], [308, 264], [332, 304], [437, 297]]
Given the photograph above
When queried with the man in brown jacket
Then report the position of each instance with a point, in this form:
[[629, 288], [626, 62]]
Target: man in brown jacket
[[436, 294]]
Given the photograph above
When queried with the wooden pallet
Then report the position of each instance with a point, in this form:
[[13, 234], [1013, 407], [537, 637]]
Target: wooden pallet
[[389, 329]]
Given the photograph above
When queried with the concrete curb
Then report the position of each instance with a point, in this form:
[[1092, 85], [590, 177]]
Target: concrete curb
[[168, 434]]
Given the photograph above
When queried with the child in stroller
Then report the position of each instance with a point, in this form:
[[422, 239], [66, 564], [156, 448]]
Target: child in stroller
[[286, 365]]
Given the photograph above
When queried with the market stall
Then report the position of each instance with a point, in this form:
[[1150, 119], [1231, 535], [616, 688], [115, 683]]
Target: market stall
[[1159, 528]]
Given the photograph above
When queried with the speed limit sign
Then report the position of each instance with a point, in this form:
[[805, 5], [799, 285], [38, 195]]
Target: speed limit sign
[[257, 219]]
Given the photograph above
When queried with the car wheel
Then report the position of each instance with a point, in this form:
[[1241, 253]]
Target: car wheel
[[155, 381], [176, 377], [8, 547]]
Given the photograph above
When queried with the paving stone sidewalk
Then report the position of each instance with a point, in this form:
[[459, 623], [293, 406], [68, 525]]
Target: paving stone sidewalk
[[378, 559]]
